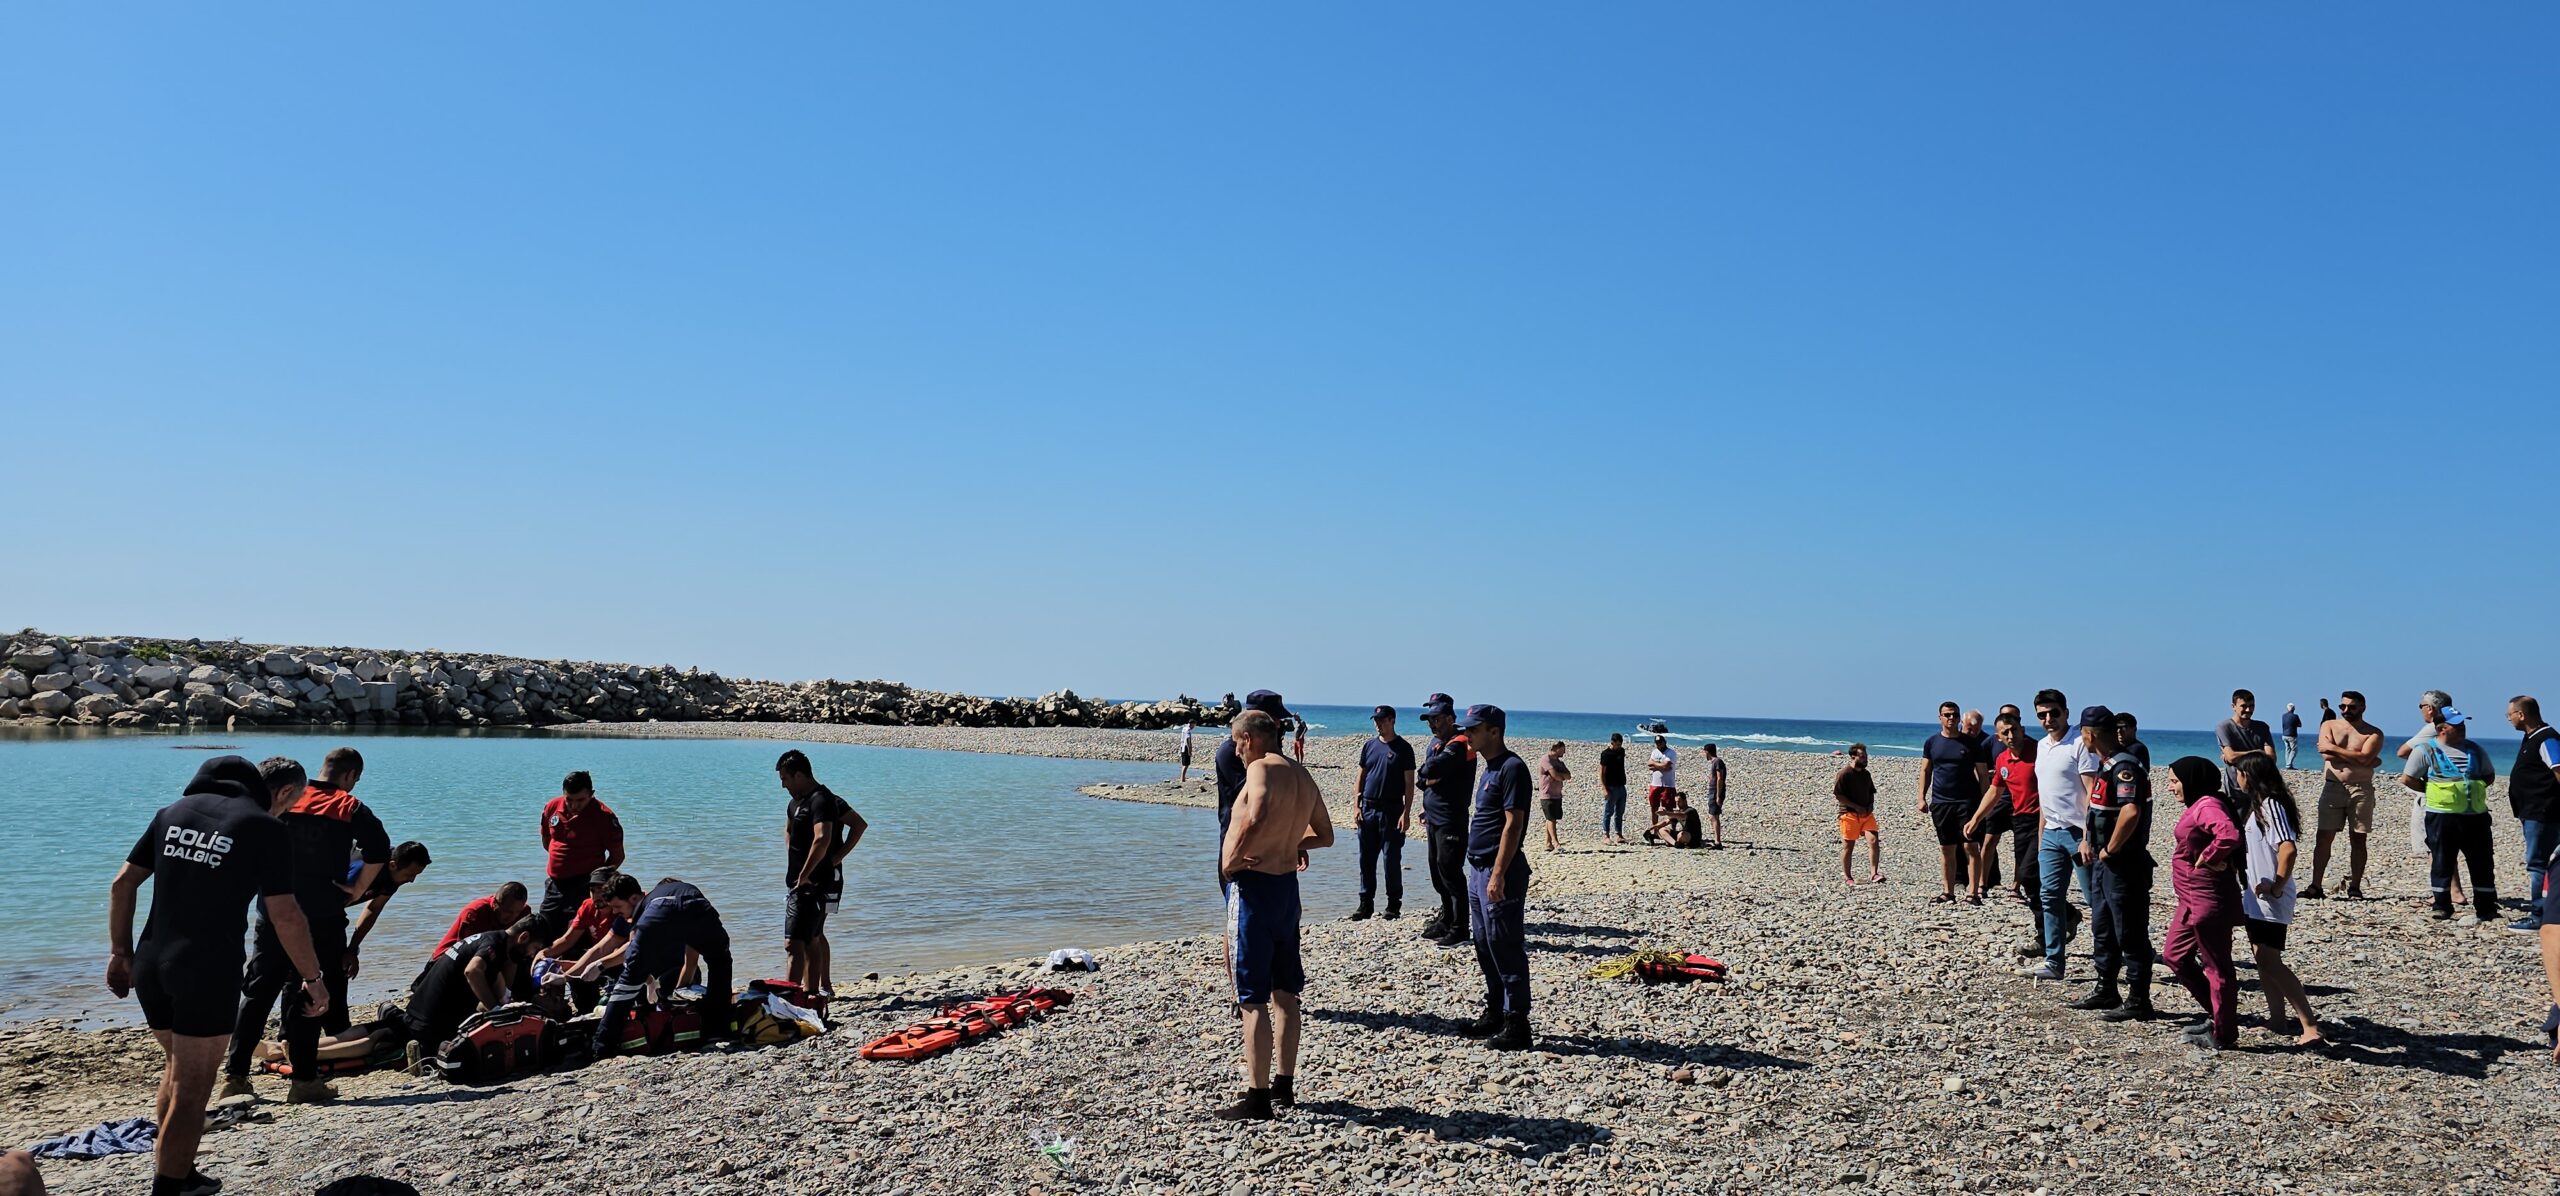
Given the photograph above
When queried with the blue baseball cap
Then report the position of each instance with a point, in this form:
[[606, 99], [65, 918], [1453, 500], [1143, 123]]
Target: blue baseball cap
[[1438, 704], [2097, 716], [1267, 702], [2454, 718], [1382, 711], [1482, 716]]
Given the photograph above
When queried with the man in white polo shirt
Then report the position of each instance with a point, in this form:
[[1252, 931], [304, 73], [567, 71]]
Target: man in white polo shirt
[[2063, 767]]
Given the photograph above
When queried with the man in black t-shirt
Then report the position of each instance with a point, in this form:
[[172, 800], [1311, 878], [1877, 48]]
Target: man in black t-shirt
[[1953, 773], [327, 826], [1613, 790], [818, 828], [473, 975], [207, 855]]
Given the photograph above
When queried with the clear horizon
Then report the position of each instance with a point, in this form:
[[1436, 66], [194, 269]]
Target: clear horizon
[[1819, 364]]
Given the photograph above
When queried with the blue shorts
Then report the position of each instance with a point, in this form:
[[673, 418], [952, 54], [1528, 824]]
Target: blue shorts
[[1262, 936]]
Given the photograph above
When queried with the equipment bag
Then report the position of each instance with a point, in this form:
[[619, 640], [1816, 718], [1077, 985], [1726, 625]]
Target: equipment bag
[[511, 1040]]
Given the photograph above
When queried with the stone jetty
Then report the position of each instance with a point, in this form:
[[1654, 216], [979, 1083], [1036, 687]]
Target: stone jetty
[[140, 682]]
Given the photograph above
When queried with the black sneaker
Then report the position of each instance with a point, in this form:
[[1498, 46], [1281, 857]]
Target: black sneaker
[[1514, 1035], [1256, 1106], [2104, 997], [2441, 913], [2130, 1011], [1457, 937], [1284, 1091], [1486, 1026], [2314, 893], [1361, 914], [1394, 911], [1434, 927]]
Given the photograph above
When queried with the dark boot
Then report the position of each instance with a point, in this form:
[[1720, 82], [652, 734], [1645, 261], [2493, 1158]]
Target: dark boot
[[1395, 909], [1514, 1036], [1284, 1091], [1434, 927], [2102, 997], [1256, 1106], [1362, 914], [2136, 1008], [1483, 1027]]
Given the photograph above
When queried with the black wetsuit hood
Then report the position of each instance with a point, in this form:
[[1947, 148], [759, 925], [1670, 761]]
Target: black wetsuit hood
[[230, 776]]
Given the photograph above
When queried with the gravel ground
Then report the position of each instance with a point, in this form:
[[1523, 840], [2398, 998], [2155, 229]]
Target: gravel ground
[[1866, 1041]]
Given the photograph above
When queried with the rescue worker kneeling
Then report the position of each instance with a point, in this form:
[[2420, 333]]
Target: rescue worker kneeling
[[471, 976], [672, 919]]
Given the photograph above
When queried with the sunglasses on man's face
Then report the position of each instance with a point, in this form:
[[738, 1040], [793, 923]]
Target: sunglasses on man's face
[[2048, 716]]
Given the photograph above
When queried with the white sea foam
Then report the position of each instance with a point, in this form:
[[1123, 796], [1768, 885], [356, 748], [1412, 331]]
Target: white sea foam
[[1790, 740]]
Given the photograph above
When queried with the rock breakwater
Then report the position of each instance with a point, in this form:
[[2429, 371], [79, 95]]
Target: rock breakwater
[[143, 682]]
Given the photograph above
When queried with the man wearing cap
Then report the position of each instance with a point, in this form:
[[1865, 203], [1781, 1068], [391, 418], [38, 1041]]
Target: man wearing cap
[[2452, 776], [2118, 856], [1385, 812], [1498, 883], [1448, 775], [1230, 769]]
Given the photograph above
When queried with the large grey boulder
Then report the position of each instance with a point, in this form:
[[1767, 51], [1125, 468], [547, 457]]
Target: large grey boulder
[[53, 681], [381, 695], [281, 664], [9, 708], [240, 691], [206, 673], [96, 686], [156, 677], [14, 684], [104, 648], [97, 706], [39, 658], [50, 704], [371, 668], [345, 687]]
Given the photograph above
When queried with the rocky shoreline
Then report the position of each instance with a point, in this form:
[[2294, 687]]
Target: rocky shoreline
[[1867, 1042], [141, 682]]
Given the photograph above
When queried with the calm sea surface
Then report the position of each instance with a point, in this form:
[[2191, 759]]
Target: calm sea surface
[[969, 857]]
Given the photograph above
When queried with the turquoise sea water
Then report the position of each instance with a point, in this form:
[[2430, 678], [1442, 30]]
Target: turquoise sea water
[[969, 857]]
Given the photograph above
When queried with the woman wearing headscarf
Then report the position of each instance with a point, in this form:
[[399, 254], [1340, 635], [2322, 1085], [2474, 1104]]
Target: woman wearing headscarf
[[2263, 805], [2205, 857]]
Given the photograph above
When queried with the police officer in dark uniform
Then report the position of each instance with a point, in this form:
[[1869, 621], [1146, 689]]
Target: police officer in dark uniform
[[1448, 776]]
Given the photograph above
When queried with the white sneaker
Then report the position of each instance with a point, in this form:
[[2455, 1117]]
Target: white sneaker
[[2047, 971]]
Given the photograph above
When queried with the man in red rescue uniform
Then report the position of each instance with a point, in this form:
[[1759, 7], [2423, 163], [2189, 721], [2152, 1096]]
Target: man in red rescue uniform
[[582, 835]]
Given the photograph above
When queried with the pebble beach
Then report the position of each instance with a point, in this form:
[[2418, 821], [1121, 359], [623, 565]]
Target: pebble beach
[[1865, 1041]]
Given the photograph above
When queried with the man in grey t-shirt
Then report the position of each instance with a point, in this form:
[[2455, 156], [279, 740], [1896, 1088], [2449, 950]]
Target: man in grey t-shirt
[[2242, 736]]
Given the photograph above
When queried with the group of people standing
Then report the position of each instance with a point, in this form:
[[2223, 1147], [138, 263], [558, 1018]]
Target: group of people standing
[[306, 851], [2084, 792]]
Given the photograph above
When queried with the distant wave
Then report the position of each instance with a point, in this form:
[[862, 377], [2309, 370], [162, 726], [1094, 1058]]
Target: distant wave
[[1791, 740]]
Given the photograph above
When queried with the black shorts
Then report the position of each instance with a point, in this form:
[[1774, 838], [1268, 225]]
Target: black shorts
[[1552, 807], [1950, 820], [804, 914], [2266, 934], [1994, 824], [188, 1002]]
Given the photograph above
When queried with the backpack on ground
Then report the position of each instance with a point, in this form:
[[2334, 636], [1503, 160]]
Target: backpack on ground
[[511, 1040]]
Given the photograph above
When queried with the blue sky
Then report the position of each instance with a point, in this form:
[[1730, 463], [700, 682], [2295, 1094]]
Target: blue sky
[[1707, 358]]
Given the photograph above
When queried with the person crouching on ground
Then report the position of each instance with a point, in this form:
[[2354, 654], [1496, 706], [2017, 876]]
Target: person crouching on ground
[[1279, 817], [1855, 790], [673, 919], [1676, 824], [2205, 857], [1498, 883], [472, 976]]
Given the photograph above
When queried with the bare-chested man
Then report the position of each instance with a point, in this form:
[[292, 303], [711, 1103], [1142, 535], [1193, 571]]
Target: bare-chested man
[[1278, 818], [2350, 748]]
